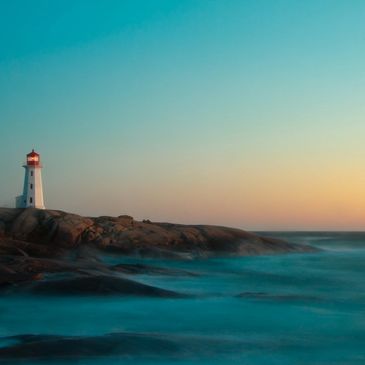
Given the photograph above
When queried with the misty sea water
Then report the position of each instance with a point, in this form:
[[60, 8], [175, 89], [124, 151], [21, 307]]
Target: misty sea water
[[300, 309]]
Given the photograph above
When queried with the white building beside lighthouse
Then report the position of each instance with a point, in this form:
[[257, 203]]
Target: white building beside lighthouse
[[32, 196]]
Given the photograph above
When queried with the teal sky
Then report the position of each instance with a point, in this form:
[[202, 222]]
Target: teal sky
[[240, 113]]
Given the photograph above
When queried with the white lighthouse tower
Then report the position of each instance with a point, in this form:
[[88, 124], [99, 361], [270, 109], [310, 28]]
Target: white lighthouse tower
[[33, 191]]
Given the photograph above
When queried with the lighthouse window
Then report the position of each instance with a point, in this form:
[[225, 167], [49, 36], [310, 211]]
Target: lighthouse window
[[31, 186], [30, 200], [31, 173]]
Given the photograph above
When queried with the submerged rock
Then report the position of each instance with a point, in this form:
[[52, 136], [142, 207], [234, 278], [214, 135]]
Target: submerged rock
[[276, 297], [100, 285], [135, 269], [48, 347], [118, 345]]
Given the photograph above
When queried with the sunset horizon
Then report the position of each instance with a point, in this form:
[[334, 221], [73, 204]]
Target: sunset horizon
[[212, 113]]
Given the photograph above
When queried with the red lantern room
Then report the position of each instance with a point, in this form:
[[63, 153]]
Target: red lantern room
[[33, 159]]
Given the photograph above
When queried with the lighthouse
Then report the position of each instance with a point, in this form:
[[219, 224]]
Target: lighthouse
[[32, 191]]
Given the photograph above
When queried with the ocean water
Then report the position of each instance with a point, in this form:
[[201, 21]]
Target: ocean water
[[299, 309]]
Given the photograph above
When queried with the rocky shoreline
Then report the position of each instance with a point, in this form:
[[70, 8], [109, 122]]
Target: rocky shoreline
[[36, 246]]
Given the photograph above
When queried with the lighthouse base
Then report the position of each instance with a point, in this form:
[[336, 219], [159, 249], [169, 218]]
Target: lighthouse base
[[19, 202]]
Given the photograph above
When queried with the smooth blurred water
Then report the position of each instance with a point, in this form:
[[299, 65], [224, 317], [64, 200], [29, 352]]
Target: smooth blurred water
[[297, 309]]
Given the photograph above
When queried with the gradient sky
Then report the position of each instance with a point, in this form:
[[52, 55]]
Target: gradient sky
[[240, 113]]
